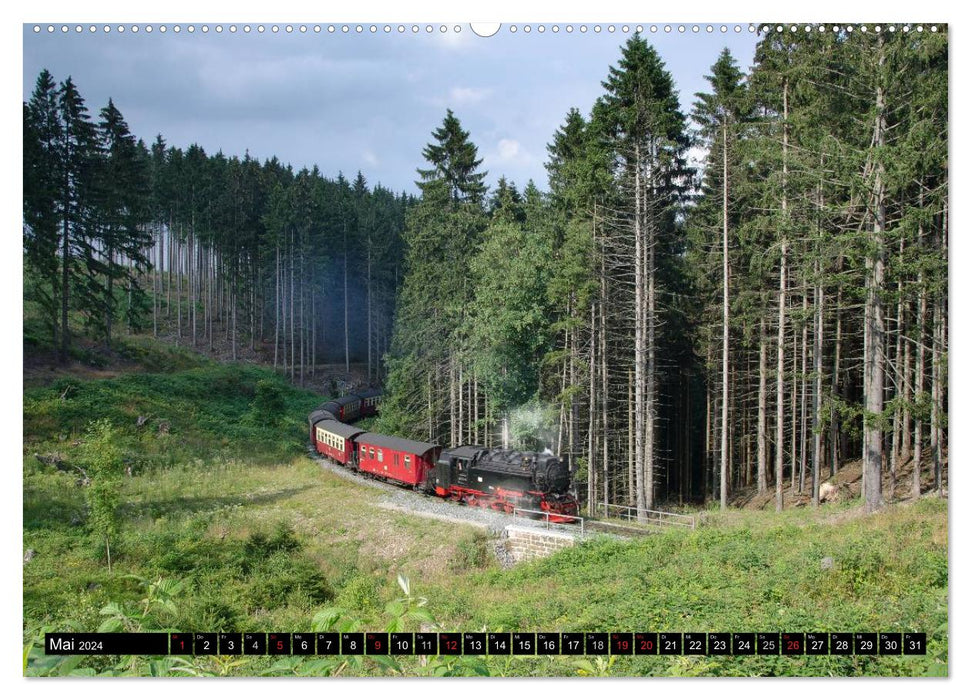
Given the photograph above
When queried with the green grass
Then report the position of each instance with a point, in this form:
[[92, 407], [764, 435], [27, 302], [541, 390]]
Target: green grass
[[226, 525], [204, 412], [745, 572]]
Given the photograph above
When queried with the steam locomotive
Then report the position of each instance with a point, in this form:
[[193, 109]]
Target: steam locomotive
[[499, 479]]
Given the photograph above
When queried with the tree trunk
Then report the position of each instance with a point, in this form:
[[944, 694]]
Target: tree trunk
[[369, 319], [919, 385], [803, 407], [604, 381], [820, 301], [347, 342], [763, 466], [639, 342], [724, 447], [293, 290], [873, 363], [591, 432], [936, 394], [780, 358], [631, 494], [794, 415], [178, 280], [834, 429], [276, 310]]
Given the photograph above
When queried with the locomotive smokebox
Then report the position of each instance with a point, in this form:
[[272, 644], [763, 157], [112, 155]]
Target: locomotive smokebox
[[551, 475]]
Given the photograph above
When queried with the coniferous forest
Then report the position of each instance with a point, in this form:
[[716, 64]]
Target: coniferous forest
[[681, 329]]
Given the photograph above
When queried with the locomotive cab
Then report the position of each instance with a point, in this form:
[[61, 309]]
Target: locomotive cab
[[454, 467]]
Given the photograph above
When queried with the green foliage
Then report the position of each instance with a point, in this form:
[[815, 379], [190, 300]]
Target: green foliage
[[508, 323], [268, 404], [196, 413], [103, 463], [472, 552], [360, 593]]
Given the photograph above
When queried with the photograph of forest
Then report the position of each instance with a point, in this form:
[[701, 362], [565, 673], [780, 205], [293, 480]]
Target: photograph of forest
[[705, 270]]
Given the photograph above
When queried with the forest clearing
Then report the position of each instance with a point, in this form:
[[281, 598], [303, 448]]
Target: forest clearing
[[211, 535]]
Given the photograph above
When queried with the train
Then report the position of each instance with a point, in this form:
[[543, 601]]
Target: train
[[498, 479]]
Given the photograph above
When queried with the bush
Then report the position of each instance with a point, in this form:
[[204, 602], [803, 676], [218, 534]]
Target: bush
[[471, 552], [103, 462], [268, 405]]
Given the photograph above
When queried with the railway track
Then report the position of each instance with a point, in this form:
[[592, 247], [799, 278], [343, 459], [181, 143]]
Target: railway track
[[406, 500]]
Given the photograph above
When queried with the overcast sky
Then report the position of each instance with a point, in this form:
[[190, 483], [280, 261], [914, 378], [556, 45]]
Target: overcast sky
[[360, 101]]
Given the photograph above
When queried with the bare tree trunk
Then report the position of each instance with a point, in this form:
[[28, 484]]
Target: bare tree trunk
[[591, 432], [639, 341], [561, 420], [898, 368], [763, 466], [452, 421], [461, 385], [834, 429], [276, 310], [431, 428], [919, 384], [178, 279], [604, 383], [212, 266], [192, 281], [313, 331], [780, 358], [156, 280], [650, 390], [873, 365], [936, 398], [803, 408], [574, 404], [708, 435], [631, 494], [303, 323], [171, 261], [370, 322], [940, 345], [820, 301], [794, 414], [724, 448], [347, 342], [293, 289], [906, 445]]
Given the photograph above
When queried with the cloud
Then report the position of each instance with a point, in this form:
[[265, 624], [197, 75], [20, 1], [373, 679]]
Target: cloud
[[508, 149], [368, 157], [468, 95]]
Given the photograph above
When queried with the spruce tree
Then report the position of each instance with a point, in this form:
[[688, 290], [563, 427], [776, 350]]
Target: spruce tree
[[77, 162], [41, 189]]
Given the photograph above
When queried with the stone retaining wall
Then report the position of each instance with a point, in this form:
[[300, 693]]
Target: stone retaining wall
[[524, 543]]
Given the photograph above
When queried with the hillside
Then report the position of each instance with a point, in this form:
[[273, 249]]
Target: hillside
[[225, 524]]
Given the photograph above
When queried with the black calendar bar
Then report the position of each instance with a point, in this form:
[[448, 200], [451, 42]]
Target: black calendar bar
[[488, 643], [101, 644]]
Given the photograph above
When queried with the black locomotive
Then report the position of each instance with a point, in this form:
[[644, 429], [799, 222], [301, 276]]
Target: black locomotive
[[499, 479]]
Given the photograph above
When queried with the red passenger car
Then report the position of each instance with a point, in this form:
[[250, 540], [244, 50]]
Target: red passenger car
[[336, 440], [406, 461], [348, 407], [369, 401]]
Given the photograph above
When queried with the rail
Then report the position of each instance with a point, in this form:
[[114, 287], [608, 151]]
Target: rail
[[652, 517], [546, 514]]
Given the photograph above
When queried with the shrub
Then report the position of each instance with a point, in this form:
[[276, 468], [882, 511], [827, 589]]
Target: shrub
[[268, 406]]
